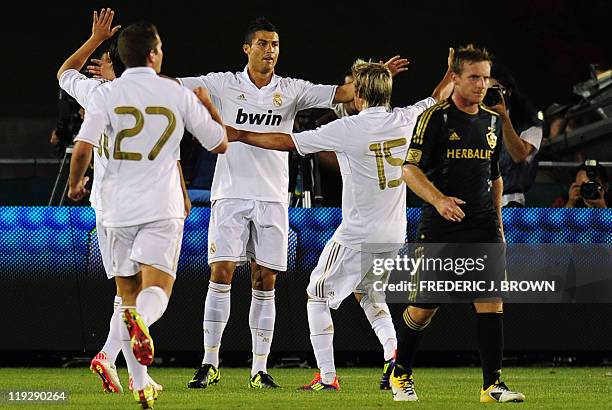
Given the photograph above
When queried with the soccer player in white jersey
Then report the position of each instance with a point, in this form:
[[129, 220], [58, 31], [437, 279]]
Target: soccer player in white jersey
[[249, 219], [141, 191], [370, 148], [80, 88]]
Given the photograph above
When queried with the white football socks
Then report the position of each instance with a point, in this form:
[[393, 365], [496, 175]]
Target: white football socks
[[112, 346], [216, 315], [380, 318], [322, 338], [261, 320], [138, 371], [151, 304]]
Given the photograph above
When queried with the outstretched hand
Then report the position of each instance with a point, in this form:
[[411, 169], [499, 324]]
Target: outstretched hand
[[396, 65], [101, 27], [448, 208], [101, 69]]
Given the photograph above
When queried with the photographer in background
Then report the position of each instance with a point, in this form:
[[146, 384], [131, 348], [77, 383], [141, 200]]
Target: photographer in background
[[590, 188], [69, 119], [522, 135]]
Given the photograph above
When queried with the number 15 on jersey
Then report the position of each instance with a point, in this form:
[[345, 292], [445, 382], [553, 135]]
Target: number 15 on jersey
[[382, 150]]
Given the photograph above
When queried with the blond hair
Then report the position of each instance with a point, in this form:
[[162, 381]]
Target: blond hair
[[373, 83]]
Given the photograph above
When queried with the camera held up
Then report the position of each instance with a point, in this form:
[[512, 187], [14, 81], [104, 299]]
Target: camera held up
[[591, 189], [494, 96]]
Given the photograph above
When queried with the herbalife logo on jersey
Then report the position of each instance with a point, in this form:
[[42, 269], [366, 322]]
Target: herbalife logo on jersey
[[258, 119]]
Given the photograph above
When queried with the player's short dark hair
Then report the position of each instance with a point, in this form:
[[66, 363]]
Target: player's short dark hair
[[469, 54], [259, 24], [113, 54], [136, 42]]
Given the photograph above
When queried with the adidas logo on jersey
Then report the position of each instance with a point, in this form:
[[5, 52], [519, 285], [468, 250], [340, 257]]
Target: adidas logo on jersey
[[258, 119], [454, 137], [241, 97]]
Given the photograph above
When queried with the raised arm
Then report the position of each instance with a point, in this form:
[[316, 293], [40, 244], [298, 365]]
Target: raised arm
[[518, 148], [444, 89], [100, 31]]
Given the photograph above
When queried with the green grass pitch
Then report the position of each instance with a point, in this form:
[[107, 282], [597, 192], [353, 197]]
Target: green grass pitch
[[454, 388]]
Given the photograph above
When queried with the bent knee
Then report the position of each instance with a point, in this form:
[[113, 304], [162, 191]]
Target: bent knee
[[264, 279], [420, 315], [222, 272]]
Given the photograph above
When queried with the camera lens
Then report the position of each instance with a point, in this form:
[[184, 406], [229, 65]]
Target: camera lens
[[589, 190], [492, 97]]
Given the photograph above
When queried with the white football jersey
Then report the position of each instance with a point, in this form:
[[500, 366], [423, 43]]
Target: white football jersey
[[248, 172], [80, 87], [146, 115], [371, 148]]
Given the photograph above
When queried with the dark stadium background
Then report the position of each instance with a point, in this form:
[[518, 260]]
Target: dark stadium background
[[548, 44]]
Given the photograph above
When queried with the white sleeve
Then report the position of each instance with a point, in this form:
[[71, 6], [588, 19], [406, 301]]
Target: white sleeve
[[96, 119], [533, 136], [78, 85], [325, 138], [412, 112], [311, 95], [200, 124], [213, 82]]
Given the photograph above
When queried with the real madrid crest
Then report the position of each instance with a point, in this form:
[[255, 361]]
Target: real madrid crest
[[491, 137], [213, 247], [277, 100]]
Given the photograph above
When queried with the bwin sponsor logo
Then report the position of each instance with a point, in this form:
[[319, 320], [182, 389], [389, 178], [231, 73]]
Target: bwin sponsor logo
[[258, 119]]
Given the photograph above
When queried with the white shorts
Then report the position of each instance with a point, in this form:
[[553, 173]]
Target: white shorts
[[342, 271], [245, 229], [103, 244], [157, 244]]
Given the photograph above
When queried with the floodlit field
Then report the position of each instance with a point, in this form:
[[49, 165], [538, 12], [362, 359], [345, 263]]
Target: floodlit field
[[456, 388]]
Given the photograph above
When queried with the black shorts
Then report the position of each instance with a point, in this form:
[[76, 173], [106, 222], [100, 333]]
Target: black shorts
[[460, 262], [482, 228]]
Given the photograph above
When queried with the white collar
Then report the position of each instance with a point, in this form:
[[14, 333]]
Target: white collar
[[247, 78], [373, 109], [139, 71]]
